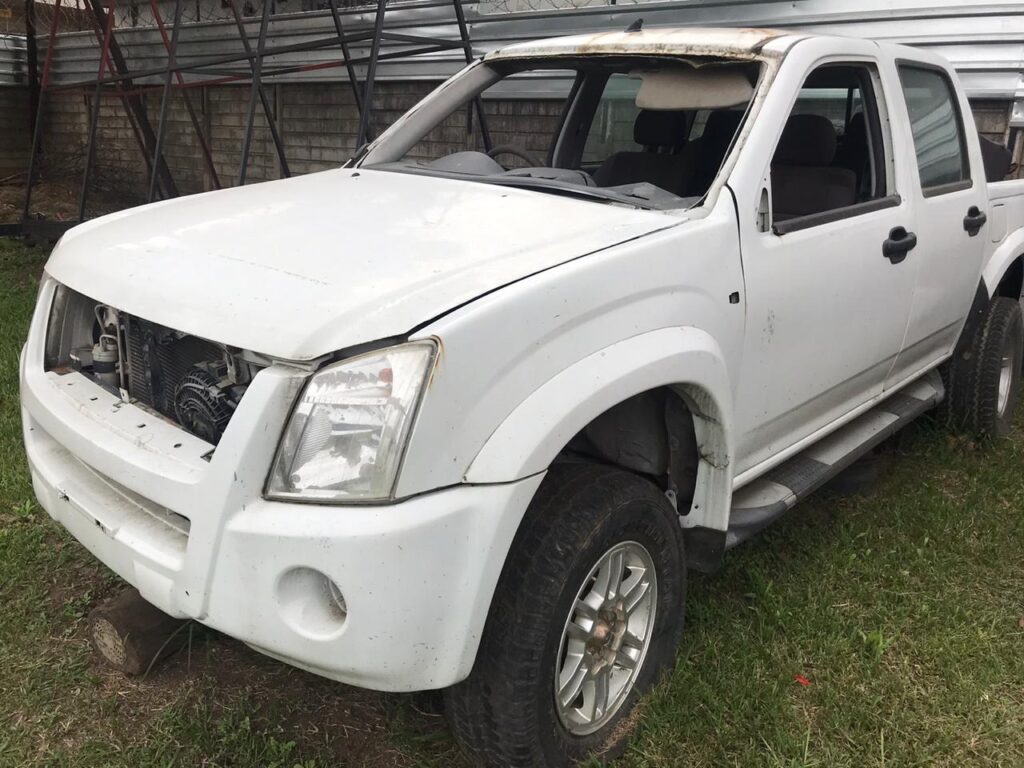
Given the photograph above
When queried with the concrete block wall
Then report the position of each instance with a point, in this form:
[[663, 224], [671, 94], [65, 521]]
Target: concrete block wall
[[318, 124], [120, 166]]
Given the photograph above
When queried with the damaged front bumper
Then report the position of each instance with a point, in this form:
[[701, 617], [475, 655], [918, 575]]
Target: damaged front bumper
[[391, 597]]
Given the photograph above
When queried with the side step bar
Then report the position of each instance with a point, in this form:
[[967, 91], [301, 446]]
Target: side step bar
[[764, 500]]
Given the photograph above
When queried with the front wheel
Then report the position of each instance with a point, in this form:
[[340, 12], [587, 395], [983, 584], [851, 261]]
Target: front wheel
[[586, 616]]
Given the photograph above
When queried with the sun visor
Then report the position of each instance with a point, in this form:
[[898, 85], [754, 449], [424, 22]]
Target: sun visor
[[703, 88]]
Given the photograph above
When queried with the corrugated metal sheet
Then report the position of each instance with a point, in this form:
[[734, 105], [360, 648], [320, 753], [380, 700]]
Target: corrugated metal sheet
[[12, 60], [984, 39]]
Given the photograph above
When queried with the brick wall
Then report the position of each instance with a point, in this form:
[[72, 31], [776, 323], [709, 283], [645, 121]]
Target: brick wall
[[318, 125], [15, 141]]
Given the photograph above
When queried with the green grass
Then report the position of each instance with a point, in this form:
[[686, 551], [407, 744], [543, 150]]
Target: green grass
[[904, 610]]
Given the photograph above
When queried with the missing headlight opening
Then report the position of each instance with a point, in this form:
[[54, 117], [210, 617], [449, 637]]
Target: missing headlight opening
[[193, 382]]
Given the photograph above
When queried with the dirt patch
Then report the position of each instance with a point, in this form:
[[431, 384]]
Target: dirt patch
[[358, 726], [56, 200]]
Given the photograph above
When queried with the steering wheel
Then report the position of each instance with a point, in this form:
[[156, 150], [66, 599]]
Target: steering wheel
[[522, 154]]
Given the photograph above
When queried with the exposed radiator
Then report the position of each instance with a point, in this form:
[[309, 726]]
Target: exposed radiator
[[159, 360]]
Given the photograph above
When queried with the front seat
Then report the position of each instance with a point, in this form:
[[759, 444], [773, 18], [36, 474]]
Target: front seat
[[804, 181], [854, 153], [708, 152], [662, 134]]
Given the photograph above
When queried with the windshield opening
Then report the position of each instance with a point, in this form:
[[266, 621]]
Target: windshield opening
[[652, 132]]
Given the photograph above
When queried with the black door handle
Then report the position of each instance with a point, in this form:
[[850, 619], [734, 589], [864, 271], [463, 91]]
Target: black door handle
[[899, 244], [974, 220]]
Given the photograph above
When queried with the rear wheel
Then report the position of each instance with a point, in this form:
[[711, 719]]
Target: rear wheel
[[983, 382], [586, 616]]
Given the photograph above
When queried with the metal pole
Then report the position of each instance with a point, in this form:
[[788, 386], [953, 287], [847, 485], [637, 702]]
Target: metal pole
[[267, 110], [161, 126], [123, 94], [32, 54], [38, 129], [371, 74], [213, 63], [200, 134], [94, 117], [351, 70], [257, 66], [134, 105]]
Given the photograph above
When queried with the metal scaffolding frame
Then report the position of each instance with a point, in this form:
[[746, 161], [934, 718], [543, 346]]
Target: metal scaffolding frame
[[114, 77]]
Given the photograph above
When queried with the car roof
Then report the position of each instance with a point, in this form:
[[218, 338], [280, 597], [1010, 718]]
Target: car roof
[[732, 42]]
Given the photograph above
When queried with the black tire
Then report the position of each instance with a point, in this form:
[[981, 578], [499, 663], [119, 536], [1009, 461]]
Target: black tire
[[505, 714], [972, 378]]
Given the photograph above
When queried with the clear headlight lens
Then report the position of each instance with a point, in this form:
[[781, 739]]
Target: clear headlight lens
[[346, 437]]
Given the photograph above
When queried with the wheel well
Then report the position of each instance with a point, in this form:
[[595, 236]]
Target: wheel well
[[1013, 280], [650, 434]]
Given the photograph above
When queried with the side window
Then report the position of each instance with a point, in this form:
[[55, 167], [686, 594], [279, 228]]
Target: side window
[[938, 130], [831, 157], [612, 128]]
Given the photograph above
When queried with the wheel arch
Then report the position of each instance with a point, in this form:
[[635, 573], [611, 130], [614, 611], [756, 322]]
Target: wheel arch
[[1012, 281], [686, 363], [1004, 272]]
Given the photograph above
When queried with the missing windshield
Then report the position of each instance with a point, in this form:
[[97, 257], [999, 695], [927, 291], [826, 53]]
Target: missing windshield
[[650, 132]]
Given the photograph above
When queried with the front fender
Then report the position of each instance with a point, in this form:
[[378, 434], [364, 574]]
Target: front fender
[[687, 359], [1008, 251]]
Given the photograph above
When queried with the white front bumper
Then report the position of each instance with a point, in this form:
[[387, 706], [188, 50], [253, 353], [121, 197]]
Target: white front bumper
[[417, 576]]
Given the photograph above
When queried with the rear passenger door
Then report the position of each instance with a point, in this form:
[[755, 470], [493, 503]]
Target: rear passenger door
[[826, 310], [949, 201]]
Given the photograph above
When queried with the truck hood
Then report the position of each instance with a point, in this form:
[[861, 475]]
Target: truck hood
[[306, 266]]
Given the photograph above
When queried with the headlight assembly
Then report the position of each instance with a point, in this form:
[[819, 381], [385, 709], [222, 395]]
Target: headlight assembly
[[346, 436]]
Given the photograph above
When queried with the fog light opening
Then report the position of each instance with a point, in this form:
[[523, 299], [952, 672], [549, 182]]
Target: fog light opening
[[311, 603]]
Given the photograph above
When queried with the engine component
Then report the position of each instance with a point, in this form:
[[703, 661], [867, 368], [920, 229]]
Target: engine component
[[186, 379], [105, 360], [201, 406]]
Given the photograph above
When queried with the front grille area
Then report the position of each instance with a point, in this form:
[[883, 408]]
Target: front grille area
[[195, 383], [159, 360]]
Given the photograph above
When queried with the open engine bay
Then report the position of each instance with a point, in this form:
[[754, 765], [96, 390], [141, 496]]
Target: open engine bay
[[195, 383]]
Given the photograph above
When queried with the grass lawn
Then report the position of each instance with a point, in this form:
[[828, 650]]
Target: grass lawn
[[902, 615]]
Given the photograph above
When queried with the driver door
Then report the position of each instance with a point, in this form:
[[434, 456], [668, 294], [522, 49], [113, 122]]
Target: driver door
[[826, 310]]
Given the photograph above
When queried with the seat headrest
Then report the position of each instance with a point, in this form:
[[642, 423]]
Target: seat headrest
[[659, 128], [807, 140], [857, 130], [721, 126]]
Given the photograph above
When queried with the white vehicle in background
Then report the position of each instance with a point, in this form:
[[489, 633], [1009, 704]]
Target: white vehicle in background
[[446, 424]]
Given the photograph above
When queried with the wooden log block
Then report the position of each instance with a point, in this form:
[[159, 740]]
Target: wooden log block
[[132, 635]]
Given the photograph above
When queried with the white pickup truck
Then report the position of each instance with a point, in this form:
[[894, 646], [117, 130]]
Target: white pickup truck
[[430, 421]]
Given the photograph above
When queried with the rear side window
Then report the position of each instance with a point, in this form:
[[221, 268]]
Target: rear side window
[[938, 130]]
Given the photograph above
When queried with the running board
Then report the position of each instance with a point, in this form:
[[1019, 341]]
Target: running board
[[765, 499]]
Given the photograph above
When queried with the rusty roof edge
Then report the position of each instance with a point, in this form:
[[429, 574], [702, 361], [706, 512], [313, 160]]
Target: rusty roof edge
[[730, 42]]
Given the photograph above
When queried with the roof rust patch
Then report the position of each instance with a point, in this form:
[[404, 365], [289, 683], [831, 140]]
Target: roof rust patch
[[681, 41]]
